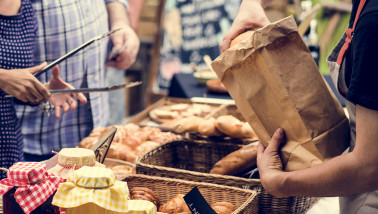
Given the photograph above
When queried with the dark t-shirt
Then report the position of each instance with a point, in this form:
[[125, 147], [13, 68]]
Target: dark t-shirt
[[362, 57]]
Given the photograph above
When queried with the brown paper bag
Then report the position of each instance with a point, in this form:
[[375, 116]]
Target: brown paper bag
[[275, 83]]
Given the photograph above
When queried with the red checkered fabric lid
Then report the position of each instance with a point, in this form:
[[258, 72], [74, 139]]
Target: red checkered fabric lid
[[35, 184]]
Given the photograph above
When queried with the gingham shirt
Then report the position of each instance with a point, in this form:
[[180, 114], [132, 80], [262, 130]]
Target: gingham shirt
[[63, 26]]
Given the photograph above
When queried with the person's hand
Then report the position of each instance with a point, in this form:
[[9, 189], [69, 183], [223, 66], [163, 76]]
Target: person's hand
[[21, 84], [251, 15], [270, 165], [64, 101], [126, 40]]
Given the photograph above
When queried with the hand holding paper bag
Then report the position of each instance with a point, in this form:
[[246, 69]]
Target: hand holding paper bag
[[276, 84]]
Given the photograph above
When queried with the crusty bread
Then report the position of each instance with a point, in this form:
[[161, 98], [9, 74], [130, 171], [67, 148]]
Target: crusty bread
[[230, 125], [143, 193], [175, 205], [241, 37], [236, 161], [207, 127], [223, 207]]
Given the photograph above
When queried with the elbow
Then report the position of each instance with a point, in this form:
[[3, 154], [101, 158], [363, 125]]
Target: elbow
[[370, 176]]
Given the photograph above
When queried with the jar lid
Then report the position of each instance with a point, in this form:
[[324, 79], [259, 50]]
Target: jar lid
[[71, 159], [34, 184], [93, 185]]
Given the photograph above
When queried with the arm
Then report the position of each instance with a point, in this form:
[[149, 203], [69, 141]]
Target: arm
[[251, 15], [135, 10], [118, 18], [351, 173]]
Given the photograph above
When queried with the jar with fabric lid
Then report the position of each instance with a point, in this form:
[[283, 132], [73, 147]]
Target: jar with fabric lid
[[29, 188], [92, 190], [71, 159]]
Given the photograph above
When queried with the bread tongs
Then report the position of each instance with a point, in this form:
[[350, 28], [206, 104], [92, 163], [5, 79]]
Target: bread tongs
[[87, 90]]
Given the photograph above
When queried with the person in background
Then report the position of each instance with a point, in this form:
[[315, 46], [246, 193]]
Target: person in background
[[18, 27], [116, 76], [352, 176], [63, 26]]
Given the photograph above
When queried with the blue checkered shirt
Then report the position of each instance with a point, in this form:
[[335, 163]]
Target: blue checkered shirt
[[63, 25]]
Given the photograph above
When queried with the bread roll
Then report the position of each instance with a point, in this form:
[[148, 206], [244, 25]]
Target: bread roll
[[175, 205], [121, 152], [207, 127], [248, 131], [236, 161], [188, 124], [223, 207], [146, 146], [88, 142], [142, 193], [120, 170], [164, 137], [241, 37], [230, 126]]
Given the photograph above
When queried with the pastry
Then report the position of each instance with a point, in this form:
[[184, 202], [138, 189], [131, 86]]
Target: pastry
[[175, 205], [120, 170], [143, 193], [88, 142], [223, 207]]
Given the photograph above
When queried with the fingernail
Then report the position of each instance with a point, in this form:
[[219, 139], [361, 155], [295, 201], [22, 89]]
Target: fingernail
[[279, 132]]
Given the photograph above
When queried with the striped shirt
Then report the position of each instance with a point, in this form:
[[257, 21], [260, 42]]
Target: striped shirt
[[63, 25]]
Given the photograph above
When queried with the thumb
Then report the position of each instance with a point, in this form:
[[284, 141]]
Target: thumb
[[277, 140], [36, 68], [56, 72]]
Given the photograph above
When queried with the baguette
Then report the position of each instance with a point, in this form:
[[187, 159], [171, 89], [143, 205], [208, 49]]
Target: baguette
[[207, 127], [230, 126], [236, 161]]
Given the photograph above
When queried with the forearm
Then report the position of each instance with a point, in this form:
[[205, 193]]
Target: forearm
[[118, 16], [135, 10], [340, 176]]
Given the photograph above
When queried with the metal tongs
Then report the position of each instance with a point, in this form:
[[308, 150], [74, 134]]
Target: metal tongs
[[69, 54], [87, 90]]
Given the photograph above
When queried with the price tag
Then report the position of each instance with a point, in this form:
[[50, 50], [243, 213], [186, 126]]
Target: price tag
[[197, 203]]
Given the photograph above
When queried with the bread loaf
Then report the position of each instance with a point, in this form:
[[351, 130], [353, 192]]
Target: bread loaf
[[248, 131], [241, 37], [223, 207], [207, 127], [175, 205], [120, 170], [188, 124], [236, 161], [230, 126]]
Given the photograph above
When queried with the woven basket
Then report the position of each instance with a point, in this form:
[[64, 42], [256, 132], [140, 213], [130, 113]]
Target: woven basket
[[167, 188], [192, 160]]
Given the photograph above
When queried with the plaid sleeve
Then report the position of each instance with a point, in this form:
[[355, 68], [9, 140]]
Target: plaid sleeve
[[124, 2]]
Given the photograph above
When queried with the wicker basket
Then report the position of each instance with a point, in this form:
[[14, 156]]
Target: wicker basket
[[191, 160], [167, 188]]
